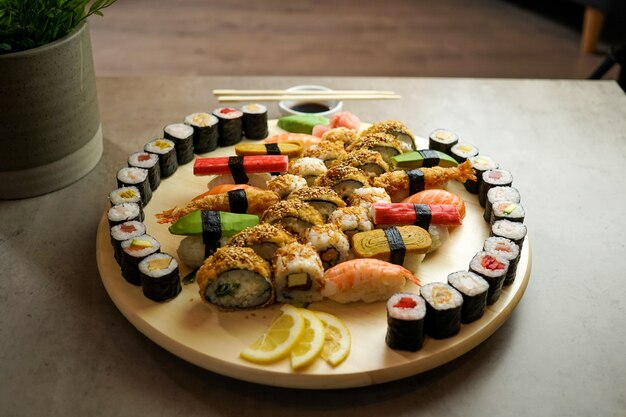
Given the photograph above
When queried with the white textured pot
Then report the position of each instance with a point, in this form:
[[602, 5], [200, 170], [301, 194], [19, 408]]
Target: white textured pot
[[50, 131]]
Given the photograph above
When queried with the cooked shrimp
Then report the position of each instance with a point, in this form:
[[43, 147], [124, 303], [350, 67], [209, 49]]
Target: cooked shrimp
[[365, 279], [224, 188]]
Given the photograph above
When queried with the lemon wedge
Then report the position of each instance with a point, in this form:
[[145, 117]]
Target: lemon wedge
[[338, 340], [309, 346], [279, 339]]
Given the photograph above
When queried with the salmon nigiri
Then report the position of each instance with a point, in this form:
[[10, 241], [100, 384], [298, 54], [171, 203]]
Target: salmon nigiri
[[437, 196]]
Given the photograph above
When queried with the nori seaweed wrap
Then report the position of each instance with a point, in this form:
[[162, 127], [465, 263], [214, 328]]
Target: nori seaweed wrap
[[182, 135], [134, 250], [149, 161], [255, 121], [443, 310], [122, 232], [205, 132], [474, 290], [159, 276], [230, 126], [166, 150], [405, 322], [138, 177]]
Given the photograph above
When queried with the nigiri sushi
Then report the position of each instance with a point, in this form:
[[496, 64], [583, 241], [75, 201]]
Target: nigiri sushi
[[365, 280]]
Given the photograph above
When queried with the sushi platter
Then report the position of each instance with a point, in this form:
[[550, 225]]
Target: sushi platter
[[212, 339]]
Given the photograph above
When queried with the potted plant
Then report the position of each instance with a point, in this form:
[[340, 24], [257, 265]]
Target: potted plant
[[50, 132]]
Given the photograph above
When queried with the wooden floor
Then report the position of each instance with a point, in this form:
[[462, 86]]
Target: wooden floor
[[451, 38]]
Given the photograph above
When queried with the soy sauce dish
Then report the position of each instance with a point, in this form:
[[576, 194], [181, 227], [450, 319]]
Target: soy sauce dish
[[324, 108]]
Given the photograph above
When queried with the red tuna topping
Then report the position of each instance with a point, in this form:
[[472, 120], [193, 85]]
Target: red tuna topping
[[406, 302], [491, 263]]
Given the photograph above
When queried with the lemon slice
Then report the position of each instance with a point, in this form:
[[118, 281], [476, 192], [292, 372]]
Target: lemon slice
[[338, 340], [309, 346], [279, 338]]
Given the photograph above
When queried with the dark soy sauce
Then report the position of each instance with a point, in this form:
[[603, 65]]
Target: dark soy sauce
[[310, 108]]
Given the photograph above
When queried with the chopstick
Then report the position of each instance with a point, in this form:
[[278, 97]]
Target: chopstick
[[279, 95]]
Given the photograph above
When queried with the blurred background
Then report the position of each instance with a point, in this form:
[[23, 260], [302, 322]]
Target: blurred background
[[418, 38]]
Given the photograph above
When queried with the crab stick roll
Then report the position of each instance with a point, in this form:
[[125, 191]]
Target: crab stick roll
[[493, 178], [134, 250], [351, 220], [499, 194], [514, 231], [204, 131], [323, 199], [298, 274], [405, 322], [291, 149], [425, 158], [344, 179], [391, 244], [150, 162], [255, 121], [474, 290], [125, 195], [124, 212], [235, 278], [422, 215], [383, 143], [480, 164], [507, 210], [330, 243], [182, 135], [285, 184], [308, 168], [239, 166], [493, 268], [122, 232], [166, 151], [397, 129], [137, 177], [230, 126], [508, 250], [461, 152], [443, 310], [294, 215], [263, 238], [160, 280]]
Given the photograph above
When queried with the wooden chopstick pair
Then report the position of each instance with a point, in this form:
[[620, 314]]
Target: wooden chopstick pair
[[279, 95]]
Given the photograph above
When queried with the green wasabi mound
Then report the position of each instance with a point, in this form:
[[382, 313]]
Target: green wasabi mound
[[301, 123]]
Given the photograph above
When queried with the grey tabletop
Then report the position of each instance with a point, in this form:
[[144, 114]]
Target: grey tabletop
[[66, 350]]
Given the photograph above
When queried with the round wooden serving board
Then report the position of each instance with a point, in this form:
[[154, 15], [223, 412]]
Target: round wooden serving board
[[200, 334]]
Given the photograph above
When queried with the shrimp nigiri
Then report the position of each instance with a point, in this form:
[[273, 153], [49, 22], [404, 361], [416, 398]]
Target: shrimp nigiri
[[365, 279], [398, 183]]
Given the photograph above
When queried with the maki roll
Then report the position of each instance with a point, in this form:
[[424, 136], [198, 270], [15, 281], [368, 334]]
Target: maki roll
[[166, 151], [285, 184], [235, 278], [125, 195], [122, 232], [329, 152], [442, 140], [493, 178], [405, 322], [351, 220], [255, 121], [204, 131], [480, 164], [367, 161], [507, 210], [443, 310], [461, 152], [263, 238], [308, 168], [298, 274], [124, 212], [323, 199], [230, 126], [330, 243], [514, 231], [385, 144], [159, 277], [397, 129], [391, 244], [294, 215], [182, 135], [134, 250], [474, 290], [149, 161], [499, 194], [493, 269], [137, 177], [344, 179], [508, 250]]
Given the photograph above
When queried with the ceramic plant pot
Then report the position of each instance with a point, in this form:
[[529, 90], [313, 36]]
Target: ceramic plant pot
[[50, 132]]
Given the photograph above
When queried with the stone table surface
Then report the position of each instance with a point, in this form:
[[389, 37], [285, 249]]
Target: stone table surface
[[65, 350]]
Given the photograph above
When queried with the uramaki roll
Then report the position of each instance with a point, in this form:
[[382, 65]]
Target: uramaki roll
[[391, 244], [323, 199], [263, 238], [294, 215], [344, 180]]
